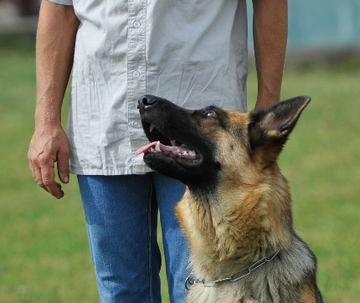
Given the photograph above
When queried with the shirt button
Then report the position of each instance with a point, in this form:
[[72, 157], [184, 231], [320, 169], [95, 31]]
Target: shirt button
[[137, 24], [136, 124], [136, 74]]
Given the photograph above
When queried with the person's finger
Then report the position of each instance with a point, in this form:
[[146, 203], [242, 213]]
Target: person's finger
[[63, 165], [35, 168], [48, 178]]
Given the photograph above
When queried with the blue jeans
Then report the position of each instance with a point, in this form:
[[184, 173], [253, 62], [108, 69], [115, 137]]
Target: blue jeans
[[121, 217]]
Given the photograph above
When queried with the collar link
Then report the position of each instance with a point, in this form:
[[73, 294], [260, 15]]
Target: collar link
[[191, 279]]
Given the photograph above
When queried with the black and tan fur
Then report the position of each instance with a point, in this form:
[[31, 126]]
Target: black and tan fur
[[237, 207]]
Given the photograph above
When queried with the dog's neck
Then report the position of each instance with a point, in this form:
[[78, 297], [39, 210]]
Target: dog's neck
[[220, 230]]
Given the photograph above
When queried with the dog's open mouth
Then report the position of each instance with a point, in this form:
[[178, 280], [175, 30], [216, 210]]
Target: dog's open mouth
[[163, 146]]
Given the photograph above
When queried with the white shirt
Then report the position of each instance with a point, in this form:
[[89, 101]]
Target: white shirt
[[191, 52]]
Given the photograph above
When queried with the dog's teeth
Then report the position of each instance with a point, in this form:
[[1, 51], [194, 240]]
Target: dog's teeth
[[185, 153], [192, 153], [151, 149], [157, 146], [173, 142], [152, 126]]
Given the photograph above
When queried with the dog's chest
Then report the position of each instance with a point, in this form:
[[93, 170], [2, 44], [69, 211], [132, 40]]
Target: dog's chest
[[225, 293]]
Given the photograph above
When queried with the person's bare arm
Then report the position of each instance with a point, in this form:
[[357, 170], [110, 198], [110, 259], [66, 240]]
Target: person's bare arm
[[270, 26], [54, 54]]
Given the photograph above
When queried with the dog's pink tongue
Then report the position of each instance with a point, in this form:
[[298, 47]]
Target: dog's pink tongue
[[145, 148], [161, 147]]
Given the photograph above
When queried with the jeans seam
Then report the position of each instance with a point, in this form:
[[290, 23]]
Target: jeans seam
[[104, 212], [151, 295]]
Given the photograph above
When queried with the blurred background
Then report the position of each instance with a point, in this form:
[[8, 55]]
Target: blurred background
[[43, 244]]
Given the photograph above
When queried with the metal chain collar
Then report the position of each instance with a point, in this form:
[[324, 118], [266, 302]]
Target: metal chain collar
[[190, 280]]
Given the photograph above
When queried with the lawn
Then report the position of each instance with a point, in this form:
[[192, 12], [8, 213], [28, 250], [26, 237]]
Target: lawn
[[43, 244]]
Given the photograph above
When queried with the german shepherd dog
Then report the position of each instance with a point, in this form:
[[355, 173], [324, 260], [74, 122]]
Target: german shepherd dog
[[236, 210]]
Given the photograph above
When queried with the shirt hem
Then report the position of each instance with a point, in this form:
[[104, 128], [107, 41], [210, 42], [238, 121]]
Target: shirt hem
[[140, 170], [62, 2]]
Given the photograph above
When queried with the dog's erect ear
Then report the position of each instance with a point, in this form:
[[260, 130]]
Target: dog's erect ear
[[270, 128]]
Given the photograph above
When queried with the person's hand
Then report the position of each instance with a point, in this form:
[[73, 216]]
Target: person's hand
[[48, 146]]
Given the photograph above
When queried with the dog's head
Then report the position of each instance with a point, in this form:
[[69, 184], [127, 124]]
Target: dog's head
[[202, 147]]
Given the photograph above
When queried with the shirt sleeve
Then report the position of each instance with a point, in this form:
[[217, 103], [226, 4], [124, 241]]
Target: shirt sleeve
[[62, 2]]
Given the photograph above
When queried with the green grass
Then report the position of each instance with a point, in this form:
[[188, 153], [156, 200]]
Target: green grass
[[43, 244], [44, 255]]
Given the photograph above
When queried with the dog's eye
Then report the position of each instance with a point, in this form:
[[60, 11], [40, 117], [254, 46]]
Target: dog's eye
[[211, 113]]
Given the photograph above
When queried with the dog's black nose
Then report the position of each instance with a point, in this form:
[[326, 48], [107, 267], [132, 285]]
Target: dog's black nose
[[146, 100]]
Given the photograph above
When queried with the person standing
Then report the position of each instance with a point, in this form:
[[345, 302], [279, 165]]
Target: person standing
[[193, 53]]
